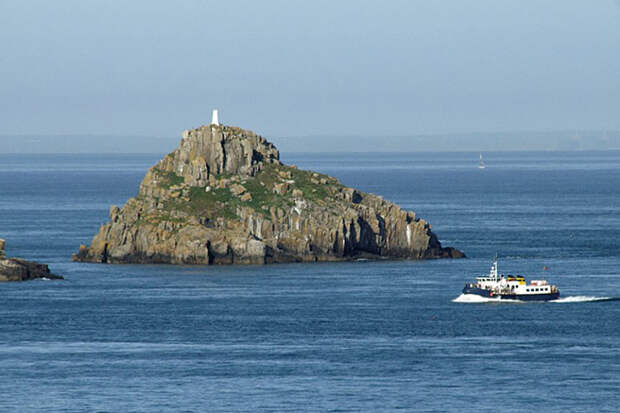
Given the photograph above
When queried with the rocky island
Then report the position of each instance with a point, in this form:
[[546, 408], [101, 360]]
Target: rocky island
[[224, 197], [17, 269]]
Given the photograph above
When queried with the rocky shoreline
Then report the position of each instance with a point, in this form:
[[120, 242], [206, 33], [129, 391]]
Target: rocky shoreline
[[224, 197], [18, 269]]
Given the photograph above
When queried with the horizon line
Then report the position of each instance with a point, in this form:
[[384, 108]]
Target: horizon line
[[330, 134], [334, 152]]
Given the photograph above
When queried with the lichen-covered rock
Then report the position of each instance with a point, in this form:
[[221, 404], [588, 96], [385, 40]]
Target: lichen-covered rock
[[224, 197], [17, 269]]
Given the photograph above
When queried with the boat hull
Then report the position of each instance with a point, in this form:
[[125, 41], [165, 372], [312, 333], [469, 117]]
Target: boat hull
[[532, 297], [521, 297], [477, 291]]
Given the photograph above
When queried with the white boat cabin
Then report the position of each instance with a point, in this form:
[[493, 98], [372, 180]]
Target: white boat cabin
[[512, 284]]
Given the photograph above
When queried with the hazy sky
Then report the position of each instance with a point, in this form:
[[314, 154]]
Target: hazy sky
[[290, 68]]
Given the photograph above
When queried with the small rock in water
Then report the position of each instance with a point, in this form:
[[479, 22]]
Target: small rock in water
[[18, 269]]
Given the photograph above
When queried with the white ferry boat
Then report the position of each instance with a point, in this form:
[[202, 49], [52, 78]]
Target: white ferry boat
[[511, 287]]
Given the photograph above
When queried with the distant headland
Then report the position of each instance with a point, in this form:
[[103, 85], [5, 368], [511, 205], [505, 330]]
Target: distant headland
[[224, 197]]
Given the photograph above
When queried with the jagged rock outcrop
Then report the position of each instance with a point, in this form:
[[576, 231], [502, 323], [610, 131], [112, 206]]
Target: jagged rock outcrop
[[17, 269], [224, 197]]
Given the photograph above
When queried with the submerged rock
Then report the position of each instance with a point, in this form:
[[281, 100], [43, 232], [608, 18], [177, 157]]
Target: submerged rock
[[18, 269], [224, 197]]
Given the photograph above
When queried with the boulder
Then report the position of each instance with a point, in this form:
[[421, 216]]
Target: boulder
[[237, 189], [281, 188]]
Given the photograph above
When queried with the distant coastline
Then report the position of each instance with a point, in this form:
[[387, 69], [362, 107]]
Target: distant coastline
[[513, 141]]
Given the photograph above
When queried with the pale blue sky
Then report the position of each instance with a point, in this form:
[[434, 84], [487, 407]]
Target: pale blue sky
[[291, 68]]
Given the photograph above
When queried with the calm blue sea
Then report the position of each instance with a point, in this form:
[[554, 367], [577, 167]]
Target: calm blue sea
[[340, 337]]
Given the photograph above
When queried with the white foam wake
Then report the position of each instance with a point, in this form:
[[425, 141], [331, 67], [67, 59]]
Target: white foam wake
[[580, 299], [475, 299]]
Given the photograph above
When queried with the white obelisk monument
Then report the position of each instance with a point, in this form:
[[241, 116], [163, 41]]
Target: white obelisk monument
[[215, 119]]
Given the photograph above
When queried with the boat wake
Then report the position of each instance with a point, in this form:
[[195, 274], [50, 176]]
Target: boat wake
[[583, 299], [476, 299]]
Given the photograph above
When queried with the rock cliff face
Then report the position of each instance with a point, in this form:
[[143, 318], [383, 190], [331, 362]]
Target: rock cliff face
[[17, 269], [224, 197]]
